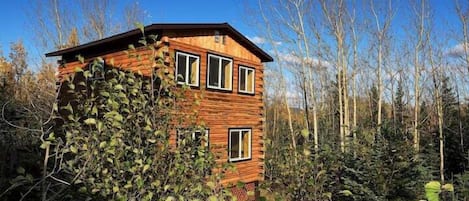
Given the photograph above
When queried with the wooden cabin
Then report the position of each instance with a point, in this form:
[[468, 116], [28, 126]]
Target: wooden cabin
[[215, 59]]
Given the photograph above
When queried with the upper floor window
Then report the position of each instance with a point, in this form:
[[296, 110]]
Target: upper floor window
[[220, 71], [239, 144], [246, 80], [187, 68]]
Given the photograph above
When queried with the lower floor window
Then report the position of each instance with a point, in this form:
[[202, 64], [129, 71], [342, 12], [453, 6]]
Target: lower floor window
[[198, 137], [239, 144]]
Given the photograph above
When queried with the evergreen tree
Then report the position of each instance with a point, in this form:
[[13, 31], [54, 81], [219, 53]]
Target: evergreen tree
[[455, 159]]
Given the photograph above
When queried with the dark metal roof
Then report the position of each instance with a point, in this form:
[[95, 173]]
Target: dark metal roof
[[155, 27]]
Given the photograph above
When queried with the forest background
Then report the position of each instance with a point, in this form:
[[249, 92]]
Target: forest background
[[366, 100]]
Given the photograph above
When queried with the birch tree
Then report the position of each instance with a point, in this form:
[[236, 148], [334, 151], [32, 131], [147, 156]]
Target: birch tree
[[282, 81], [335, 13], [421, 14], [462, 11], [437, 78], [381, 36]]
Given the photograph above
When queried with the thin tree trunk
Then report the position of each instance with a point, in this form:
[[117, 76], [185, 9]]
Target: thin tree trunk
[[336, 23], [354, 82], [439, 109], [461, 135], [283, 85], [341, 113], [309, 79], [463, 18], [418, 46]]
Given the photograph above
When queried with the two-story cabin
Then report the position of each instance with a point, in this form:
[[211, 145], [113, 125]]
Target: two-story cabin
[[214, 58]]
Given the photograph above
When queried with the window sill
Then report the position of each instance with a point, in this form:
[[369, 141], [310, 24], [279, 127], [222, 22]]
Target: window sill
[[182, 84], [239, 160], [246, 93], [219, 89]]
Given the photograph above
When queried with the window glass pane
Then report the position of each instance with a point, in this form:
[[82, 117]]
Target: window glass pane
[[198, 138], [250, 81], [226, 74], [245, 145], [213, 71], [242, 79], [234, 148], [181, 60], [193, 71]]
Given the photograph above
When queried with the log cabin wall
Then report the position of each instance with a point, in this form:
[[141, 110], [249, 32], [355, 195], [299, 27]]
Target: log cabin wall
[[219, 110], [224, 110]]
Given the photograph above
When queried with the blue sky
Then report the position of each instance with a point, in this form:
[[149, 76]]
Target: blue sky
[[16, 23]]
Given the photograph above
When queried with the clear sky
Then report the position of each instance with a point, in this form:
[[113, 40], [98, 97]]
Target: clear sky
[[16, 23]]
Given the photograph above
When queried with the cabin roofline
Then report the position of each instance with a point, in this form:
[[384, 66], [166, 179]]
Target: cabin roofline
[[264, 57]]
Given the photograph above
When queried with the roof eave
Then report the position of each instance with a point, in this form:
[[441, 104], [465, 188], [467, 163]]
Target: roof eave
[[263, 55]]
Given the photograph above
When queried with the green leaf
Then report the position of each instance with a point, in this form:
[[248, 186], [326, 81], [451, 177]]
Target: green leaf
[[115, 189], [346, 193], [240, 184], [153, 37], [212, 198], [139, 161], [104, 93], [328, 195], [448, 187], [94, 110], [80, 58], [140, 26], [51, 137], [143, 42], [118, 87], [211, 184], [170, 198], [45, 144], [78, 70], [145, 168], [102, 144], [118, 117], [305, 133], [90, 121], [128, 185], [139, 182], [432, 190], [73, 149], [82, 189], [20, 170], [306, 152], [68, 107]]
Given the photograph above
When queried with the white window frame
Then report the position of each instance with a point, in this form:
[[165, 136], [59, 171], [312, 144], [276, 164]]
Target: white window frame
[[186, 78], [240, 131], [246, 79], [205, 133], [219, 73]]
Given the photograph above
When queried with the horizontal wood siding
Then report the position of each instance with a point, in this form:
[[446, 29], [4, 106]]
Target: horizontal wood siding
[[219, 110], [222, 110], [119, 59], [206, 39]]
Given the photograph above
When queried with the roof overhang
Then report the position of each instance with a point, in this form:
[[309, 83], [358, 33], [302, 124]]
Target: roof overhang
[[158, 27]]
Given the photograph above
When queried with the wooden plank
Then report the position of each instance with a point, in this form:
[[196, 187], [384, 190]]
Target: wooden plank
[[219, 110]]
